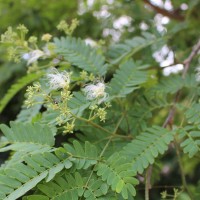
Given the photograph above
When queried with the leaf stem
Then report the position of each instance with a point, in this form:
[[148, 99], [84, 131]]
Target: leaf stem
[[104, 149], [181, 168], [91, 123], [148, 182]]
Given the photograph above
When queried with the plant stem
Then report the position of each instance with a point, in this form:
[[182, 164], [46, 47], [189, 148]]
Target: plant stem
[[91, 123], [171, 14], [181, 169], [148, 182]]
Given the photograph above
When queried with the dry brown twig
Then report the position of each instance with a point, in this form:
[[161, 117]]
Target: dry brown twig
[[171, 14]]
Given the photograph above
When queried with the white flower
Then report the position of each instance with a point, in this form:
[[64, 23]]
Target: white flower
[[26, 56], [58, 80], [173, 69], [32, 56], [97, 91]]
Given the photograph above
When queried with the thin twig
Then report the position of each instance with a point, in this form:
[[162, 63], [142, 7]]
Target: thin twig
[[162, 187], [186, 62], [170, 117], [91, 123], [171, 14], [104, 149], [148, 181], [181, 169]]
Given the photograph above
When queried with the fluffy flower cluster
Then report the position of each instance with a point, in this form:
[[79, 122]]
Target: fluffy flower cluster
[[58, 80], [61, 80], [96, 91], [32, 56]]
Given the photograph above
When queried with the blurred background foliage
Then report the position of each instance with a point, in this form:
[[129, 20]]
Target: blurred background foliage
[[111, 21]]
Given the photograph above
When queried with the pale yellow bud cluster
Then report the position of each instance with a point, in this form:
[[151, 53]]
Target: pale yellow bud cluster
[[32, 39], [46, 37], [87, 77], [68, 29], [101, 113], [22, 29], [31, 93], [69, 127]]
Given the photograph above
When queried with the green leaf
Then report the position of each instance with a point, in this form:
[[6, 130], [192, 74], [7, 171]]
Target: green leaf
[[82, 157], [26, 187], [126, 79], [190, 134], [191, 142], [117, 173], [147, 146], [83, 56], [193, 114], [126, 50], [54, 170], [27, 137], [15, 88], [19, 178], [119, 186], [65, 187], [37, 197]]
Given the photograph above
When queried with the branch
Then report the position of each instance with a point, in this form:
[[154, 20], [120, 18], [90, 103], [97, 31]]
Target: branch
[[170, 117], [187, 61], [171, 14], [186, 64]]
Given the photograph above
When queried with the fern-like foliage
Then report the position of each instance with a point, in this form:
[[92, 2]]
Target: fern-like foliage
[[63, 187], [190, 134], [170, 85], [125, 50], [119, 175], [113, 140], [83, 56], [33, 168], [147, 146], [26, 139], [27, 133], [21, 179], [15, 88], [69, 186], [113, 174], [126, 79], [193, 114], [28, 174], [78, 103], [82, 157], [27, 114], [191, 142], [137, 117]]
